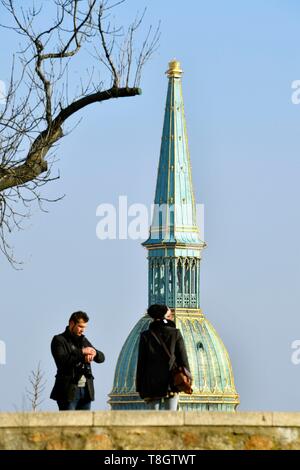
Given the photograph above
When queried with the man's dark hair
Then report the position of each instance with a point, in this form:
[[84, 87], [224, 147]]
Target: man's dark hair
[[76, 316], [157, 311]]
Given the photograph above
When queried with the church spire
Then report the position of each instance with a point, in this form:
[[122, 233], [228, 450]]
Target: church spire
[[174, 217], [174, 242]]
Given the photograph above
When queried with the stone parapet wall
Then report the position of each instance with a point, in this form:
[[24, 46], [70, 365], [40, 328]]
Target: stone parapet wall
[[150, 430]]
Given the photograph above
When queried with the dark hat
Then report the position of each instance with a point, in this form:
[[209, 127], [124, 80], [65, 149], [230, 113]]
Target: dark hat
[[157, 311]]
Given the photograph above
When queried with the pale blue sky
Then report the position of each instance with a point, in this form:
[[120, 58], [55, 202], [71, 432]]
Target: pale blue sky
[[239, 60]]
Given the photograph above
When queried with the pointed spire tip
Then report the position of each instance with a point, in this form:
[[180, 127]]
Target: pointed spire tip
[[174, 69]]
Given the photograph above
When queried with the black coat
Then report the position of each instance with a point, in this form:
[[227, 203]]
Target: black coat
[[153, 366], [67, 352]]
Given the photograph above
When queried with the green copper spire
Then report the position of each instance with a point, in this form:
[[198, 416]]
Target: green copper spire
[[174, 253], [174, 218], [174, 242]]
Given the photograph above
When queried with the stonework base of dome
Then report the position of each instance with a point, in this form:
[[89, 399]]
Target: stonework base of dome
[[195, 402]]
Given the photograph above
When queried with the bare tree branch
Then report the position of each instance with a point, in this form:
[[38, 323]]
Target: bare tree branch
[[40, 98]]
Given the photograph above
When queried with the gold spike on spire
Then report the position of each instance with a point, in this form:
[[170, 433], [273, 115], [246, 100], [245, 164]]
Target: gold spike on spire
[[174, 69]]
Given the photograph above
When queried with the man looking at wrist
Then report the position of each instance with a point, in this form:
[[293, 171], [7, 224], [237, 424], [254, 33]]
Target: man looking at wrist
[[73, 355]]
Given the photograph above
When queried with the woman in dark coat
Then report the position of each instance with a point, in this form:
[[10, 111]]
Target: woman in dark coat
[[153, 367]]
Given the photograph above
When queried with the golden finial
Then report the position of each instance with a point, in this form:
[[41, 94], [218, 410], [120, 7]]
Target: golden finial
[[174, 69]]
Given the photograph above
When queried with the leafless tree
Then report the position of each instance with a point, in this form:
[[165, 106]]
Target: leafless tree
[[40, 96], [37, 387]]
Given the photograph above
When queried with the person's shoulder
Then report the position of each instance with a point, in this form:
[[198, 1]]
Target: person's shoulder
[[173, 331], [59, 337], [178, 334], [176, 331], [170, 330]]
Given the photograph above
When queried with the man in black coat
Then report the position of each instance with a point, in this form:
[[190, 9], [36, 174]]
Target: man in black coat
[[73, 354], [153, 378]]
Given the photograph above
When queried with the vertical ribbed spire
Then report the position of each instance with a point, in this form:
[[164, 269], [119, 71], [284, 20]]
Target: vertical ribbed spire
[[174, 243], [174, 218]]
